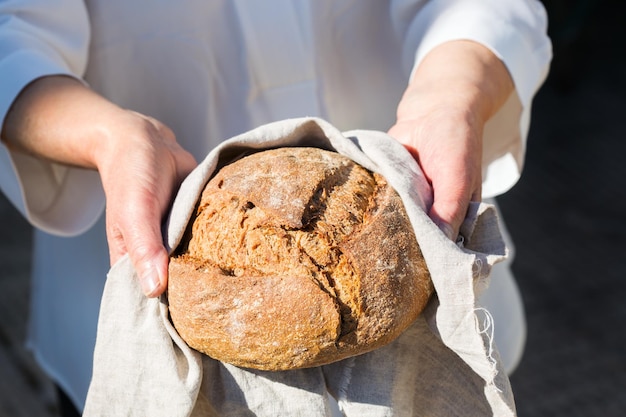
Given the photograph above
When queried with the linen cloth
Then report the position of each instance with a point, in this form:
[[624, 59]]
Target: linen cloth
[[445, 364]]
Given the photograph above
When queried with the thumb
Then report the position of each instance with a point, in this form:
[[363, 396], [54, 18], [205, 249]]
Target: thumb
[[144, 245], [448, 217], [151, 263], [450, 205]]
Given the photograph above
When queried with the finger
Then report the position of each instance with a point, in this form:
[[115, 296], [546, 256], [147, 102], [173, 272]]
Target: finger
[[448, 216], [151, 264], [477, 194], [142, 227], [451, 200], [115, 239], [185, 163], [143, 242]]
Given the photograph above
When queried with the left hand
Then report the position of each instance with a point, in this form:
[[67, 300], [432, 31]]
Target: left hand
[[454, 91], [447, 144]]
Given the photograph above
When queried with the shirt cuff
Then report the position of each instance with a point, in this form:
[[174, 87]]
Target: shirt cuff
[[517, 37], [516, 34], [58, 199]]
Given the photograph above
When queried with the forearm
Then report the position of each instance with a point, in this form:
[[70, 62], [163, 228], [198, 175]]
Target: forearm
[[60, 119], [459, 76]]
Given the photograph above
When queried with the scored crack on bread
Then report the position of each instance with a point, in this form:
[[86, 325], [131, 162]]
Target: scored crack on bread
[[296, 257]]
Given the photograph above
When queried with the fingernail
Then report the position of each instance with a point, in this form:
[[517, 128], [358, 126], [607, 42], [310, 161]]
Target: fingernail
[[150, 282]]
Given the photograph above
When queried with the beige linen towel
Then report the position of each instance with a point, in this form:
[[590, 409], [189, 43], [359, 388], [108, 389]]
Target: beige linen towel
[[444, 365]]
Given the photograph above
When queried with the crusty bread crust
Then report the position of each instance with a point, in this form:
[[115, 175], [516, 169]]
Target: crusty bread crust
[[296, 257]]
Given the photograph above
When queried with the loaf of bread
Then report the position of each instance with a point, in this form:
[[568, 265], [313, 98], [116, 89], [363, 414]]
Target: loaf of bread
[[293, 258]]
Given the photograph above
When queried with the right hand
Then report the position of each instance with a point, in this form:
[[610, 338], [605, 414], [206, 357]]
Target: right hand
[[141, 170], [140, 163]]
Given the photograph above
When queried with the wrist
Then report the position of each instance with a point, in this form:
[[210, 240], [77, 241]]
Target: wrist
[[60, 119], [461, 76]]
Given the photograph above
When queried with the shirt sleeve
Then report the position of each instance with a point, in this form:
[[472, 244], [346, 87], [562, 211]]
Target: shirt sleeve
[[516, 32], [40, 38]]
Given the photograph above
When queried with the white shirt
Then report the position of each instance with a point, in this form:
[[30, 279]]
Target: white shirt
[[211, 70]]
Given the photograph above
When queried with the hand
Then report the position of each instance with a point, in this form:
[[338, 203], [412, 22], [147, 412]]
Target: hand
[[139, 161], [447, 144], [140, 172], [454, 91]]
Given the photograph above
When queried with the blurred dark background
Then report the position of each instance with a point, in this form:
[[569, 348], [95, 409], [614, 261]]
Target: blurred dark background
[[567, 216]]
